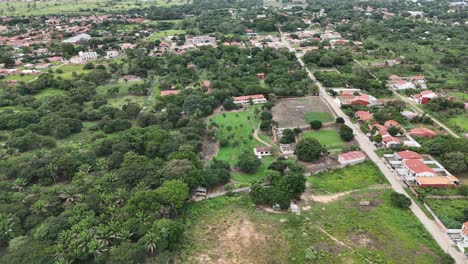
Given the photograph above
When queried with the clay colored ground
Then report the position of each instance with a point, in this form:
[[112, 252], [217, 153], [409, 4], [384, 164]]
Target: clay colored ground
[[294, 112]]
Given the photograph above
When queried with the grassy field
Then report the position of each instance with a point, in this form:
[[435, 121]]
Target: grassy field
[[326, 136], [354, 177], [69, 69], [48, 92], [78, 6], [460, 120], [231, 230], [450, 212], [165, 33], [324, 117], [241, 129], [249, 178]]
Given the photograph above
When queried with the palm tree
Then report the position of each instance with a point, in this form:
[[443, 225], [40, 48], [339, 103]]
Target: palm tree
[[19, 184], [151, 240], [6, 227], [70, 194]]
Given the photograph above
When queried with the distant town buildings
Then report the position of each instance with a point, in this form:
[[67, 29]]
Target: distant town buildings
[[77, 39]]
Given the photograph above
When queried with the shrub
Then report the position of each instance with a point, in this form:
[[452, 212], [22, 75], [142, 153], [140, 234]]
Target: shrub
[[400, 200], [316, 124]]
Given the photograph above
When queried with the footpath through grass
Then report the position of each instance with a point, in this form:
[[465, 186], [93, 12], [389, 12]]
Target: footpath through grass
[[358, 176], [230, 230]]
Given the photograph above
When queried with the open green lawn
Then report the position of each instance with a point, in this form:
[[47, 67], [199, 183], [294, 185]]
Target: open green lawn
[[242, 125], [227, 229], [460, 121], [349, 178], [241, 129], [64, 7], [48, 92], [250, 178], [459, 95], [450, 212], [324, 117], [69, 69], [326, 136], [165, 33]]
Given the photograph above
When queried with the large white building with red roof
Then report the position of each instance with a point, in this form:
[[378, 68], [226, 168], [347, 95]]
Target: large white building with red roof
[[245, 100]]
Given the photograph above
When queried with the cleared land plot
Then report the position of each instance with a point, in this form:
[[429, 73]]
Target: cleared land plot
[[450, 212], [290, 113], [231, 230], [354, 177], [329, 137]]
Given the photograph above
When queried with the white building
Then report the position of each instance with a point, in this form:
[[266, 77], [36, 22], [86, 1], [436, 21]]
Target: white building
[[200, 40], [403, 85], [76, 39], [262, 151], [288, 149], [245, 100], [87, 56], [352, 157], [111, 54]]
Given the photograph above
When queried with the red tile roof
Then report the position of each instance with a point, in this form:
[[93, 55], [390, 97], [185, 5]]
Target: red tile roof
[[168, 92], [417, 166], [390, 123], [353, 155], [422, 132], [363, 115], [389, 139], [408, 154], [262, 149]]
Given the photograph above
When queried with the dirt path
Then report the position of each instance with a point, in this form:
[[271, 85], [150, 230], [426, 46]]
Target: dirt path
[[327, 198], [339, 242], [255, 135]]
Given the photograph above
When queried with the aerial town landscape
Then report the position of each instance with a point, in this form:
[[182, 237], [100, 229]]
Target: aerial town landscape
[[233, 131]]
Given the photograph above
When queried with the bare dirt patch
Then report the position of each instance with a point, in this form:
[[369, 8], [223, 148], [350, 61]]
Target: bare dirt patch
[[237, 240], [289, 113]]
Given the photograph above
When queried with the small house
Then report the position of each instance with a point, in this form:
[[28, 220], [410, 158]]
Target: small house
[[262, 151], [390, 141], [352, 157], [422, 132], [424, 97], [364, 116]]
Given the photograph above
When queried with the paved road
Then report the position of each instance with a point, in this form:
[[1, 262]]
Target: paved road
[[439, 235], [413, 105]]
